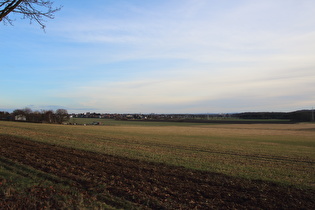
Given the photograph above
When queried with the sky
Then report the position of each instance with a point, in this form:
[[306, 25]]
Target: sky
[[166, 56]]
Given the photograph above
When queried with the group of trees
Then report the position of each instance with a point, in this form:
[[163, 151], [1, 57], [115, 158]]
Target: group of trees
[[263, 115], [46, 116]]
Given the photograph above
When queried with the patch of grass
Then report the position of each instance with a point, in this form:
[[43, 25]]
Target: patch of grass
[[111, 122]]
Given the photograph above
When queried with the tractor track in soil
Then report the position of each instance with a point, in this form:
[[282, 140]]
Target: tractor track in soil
[[153, 185]]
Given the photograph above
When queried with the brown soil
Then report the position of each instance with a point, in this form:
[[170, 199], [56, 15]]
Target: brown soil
[[152, 185]]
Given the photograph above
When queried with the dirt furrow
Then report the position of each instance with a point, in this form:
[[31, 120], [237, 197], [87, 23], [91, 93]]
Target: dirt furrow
[[152, 185]]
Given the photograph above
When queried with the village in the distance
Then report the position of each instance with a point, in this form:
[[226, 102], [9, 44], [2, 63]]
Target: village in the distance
[[61, 116]]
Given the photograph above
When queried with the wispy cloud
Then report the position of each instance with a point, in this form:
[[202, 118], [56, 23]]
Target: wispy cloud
[[185, 56], [244, 33], [143, 94]]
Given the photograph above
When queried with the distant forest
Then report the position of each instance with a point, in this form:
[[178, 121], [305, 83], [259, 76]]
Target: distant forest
[[296, 116]]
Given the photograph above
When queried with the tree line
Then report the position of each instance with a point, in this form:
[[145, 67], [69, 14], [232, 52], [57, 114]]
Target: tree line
[[61, 115], [44, 116], [296, 116]]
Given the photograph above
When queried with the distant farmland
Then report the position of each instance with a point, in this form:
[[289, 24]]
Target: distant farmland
[[212, 165]]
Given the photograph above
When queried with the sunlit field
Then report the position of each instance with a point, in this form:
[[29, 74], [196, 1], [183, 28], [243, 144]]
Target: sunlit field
[[282, 153]]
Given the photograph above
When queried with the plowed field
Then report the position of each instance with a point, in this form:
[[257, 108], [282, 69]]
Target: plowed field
[[151, 185]]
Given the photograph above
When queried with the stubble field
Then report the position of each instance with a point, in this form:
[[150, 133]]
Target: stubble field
[[161, 165]]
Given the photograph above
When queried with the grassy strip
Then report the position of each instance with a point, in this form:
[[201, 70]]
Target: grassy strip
[[111, 122]]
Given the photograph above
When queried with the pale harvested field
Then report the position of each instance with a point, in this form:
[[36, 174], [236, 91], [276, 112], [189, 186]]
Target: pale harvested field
[[282, 153]]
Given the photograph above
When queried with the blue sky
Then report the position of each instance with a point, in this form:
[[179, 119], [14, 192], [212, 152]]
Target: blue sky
[[166, 56]]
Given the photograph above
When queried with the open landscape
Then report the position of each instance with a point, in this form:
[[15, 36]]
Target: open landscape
[[178, 104], [157, 165]]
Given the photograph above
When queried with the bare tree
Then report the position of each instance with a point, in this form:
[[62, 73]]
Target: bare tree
[[34, 10], [48, 116], [4, 115], [61, 115]]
